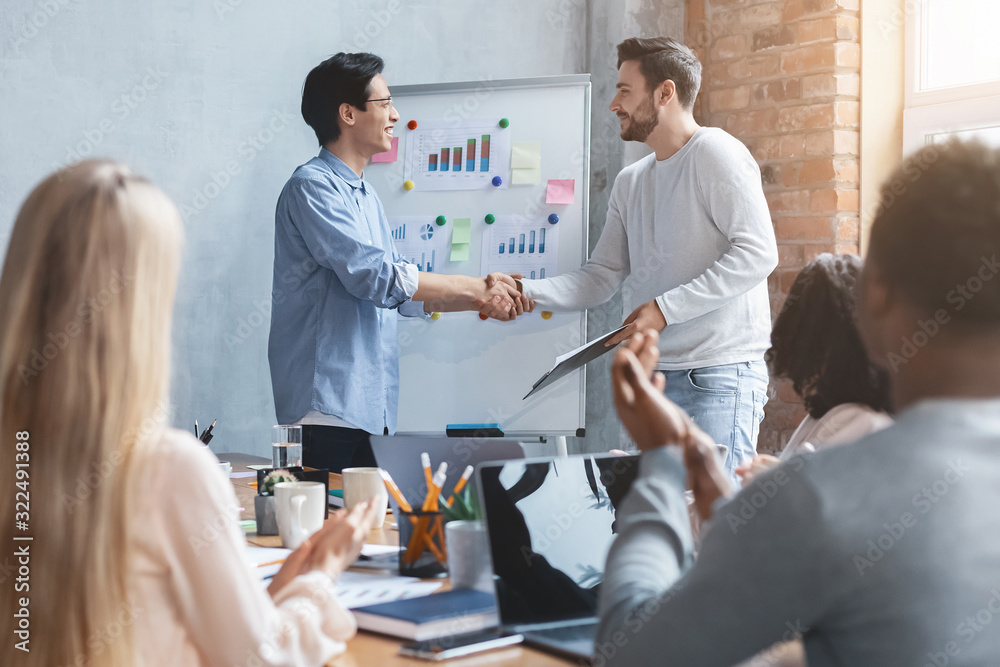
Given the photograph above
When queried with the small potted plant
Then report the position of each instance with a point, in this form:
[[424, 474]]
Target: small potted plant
[[464, 507], [263, 502]]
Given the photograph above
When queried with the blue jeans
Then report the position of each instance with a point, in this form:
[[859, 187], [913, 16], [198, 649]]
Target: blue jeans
[[727, 402]]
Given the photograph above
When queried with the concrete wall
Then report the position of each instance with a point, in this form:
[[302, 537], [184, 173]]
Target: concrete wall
[[609, 23], [203, 98]]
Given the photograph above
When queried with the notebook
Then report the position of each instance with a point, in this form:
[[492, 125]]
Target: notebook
[[430, 616]]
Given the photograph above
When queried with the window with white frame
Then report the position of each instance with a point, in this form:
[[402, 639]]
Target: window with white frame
[[952, 72]]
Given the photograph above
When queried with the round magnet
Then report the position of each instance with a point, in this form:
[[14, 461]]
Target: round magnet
[[435, 315], [412, 125], [553, 218], [440, 220], [497, 181], [504, 122], [409, 185], [483, 317], [490, 219], [546, 314]]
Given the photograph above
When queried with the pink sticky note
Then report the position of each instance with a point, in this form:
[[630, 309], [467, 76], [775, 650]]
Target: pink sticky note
[[560, 191], [389, 155]]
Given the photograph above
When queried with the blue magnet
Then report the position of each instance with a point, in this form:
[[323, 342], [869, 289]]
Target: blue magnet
[[497, 181], [553, 218]]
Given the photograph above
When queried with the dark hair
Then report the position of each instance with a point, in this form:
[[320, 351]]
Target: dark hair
[[345, 77], [815, 342], [936, 236], [662, 58]]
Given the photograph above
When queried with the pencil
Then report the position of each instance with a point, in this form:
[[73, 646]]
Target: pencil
[[196, 429], [431, 501], [461, 485], [425, 461], [394, 490], [272, 562]]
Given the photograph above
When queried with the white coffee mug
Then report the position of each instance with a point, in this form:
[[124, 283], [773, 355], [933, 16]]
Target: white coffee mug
[[300, 508], [361, 484]]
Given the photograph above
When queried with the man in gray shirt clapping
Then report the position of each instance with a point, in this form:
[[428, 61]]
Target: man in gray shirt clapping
[[881, 552]]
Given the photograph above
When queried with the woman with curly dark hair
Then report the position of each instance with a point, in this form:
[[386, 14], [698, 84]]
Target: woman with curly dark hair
[[815, 343]]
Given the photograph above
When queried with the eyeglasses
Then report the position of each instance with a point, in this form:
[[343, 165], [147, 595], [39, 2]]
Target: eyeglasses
[[383, 99]]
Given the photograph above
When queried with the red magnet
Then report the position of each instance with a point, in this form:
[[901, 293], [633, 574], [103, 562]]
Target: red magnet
[[483, 317], [412, 125]]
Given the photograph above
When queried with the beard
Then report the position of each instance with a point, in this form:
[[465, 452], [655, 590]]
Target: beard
[[641, 122]]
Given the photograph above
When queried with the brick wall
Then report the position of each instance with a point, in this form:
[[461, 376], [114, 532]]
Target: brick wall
[[783, 77]]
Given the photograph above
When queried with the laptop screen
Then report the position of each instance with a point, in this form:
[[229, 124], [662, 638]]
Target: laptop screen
[[551, 522]]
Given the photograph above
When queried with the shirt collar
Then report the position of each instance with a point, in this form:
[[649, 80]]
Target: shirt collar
[[340, 168]]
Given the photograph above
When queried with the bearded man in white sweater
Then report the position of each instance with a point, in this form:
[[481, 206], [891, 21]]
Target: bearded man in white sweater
[[690, 227]]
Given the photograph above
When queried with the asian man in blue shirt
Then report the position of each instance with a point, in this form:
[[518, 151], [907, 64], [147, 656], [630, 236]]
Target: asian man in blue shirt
[[338, 280]]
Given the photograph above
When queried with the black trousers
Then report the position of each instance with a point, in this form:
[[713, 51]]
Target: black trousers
[[336, 448]]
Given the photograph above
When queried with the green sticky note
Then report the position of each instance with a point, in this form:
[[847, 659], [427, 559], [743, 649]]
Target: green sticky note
[[459, 252], [525, 176], [526, 155], [463, 231]]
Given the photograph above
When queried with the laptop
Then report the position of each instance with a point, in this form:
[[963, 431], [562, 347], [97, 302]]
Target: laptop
[[551, 523], [399, 455]]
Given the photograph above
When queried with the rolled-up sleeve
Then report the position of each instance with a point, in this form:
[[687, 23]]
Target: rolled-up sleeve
[[408, 276]]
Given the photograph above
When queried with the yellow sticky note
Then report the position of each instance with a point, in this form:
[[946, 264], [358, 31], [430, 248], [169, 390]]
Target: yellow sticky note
[[525, 176], [526, 155], [459, 252], [462, 232]]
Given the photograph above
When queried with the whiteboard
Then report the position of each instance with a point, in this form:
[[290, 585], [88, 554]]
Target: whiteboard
[[459, 369]]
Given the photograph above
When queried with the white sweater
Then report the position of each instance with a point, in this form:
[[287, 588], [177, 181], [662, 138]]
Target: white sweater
[[193, 597], [693, 232]]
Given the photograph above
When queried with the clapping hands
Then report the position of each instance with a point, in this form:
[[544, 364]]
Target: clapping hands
[[653, 420]]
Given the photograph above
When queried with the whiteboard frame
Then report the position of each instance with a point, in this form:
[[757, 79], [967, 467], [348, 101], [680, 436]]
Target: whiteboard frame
[[545, 82]]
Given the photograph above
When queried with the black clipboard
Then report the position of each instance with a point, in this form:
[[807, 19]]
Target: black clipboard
[[575, 359]]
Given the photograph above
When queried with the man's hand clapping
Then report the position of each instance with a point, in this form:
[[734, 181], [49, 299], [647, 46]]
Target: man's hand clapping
[[653, 420]]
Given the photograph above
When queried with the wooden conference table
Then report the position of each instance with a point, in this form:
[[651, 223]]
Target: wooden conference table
[[371, 649]]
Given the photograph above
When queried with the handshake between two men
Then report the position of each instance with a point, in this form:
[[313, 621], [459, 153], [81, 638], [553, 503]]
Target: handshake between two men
[[498, 295]]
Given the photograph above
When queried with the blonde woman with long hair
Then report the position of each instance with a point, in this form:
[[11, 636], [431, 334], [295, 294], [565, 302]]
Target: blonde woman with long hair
[[135, 556]]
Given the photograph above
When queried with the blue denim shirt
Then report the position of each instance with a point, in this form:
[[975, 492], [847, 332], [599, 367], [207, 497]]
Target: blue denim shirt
[[337, 281]]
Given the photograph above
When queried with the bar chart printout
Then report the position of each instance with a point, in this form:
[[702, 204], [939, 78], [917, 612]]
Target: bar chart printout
[[457, 155], [420, 241], [519, 244]]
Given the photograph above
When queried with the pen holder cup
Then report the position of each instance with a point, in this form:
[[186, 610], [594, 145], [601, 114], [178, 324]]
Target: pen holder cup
[[424, 554]]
